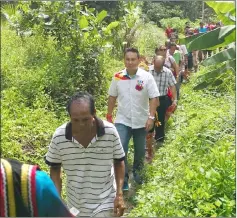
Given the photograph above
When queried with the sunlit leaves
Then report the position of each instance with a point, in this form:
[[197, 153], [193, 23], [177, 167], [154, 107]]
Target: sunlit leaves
[[83, 22], [101, 16]]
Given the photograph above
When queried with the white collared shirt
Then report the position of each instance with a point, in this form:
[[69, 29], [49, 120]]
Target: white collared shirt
[[133, 104], [91, 186]]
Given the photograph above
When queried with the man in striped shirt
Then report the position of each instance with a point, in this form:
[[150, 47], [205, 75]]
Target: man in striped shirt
[[92, 157], [164, 78]]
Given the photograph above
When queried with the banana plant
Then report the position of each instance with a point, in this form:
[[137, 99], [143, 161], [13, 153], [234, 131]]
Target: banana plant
[[225, 55], [221, 37], [214, 39], [225, 11]]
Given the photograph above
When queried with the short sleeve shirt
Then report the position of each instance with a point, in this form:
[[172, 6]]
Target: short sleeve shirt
[[133, 96], [202, 30], [169, 61], [177, 56], [91, 186], [164, 79]]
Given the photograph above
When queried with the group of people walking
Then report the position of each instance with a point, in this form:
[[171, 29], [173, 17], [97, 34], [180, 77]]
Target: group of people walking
[[196, 56], [93, 152]]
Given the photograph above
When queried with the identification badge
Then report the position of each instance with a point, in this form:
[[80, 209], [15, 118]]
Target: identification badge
[[74, 211]]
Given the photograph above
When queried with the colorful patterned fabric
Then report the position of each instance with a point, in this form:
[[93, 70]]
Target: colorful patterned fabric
[[18, 189], [121, 76]]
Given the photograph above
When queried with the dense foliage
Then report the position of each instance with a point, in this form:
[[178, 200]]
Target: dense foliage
[[193, 174], [51, 49], [155, 11]]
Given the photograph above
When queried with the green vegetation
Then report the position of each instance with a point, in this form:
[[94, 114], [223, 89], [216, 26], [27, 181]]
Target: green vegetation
[[193, 174], [148, 37], [223, 62], [54, 49], [156, 11], [28, 112]]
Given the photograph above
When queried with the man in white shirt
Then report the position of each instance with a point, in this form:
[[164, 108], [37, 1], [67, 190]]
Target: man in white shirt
[[137, 96], [92, 157]]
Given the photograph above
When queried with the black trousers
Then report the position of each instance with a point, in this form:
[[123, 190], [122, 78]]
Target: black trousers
[[165, 102]]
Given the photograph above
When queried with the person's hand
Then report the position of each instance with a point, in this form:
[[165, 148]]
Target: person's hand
[[119, 205], [109, 118], [174, 104], [177, 79], [149, 124]]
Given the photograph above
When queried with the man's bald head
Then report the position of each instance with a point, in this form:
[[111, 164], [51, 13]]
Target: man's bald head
[[158, 63]]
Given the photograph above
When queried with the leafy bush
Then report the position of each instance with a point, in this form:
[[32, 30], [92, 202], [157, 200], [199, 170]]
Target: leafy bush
[[81, 39], [155, 11], [177, 23], [148, 37], [26, 132], [194, 173]]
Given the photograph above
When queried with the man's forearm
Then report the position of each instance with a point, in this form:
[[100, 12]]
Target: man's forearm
[[55, 175], [177, 70], [174, 93], [111, 104], [154, 103], [119, 171]]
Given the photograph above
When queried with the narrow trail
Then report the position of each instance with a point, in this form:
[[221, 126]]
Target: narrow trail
[[130, 195]]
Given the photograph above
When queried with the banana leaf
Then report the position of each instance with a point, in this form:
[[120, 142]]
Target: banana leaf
[[221, 9], [228, 39], [211, 77], [189, 39], [227, 54], [213, 38], [228, 65]]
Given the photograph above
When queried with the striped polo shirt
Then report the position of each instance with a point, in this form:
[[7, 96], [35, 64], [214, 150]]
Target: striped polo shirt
[[91, 186]]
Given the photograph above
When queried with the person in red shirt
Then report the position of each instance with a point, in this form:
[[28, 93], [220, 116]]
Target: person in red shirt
[[168, 31], [211, 26]]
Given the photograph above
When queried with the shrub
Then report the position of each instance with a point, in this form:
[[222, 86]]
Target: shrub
[[194, 173], [148, 37]]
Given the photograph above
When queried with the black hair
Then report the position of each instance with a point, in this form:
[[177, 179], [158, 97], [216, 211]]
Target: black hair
[[167, 44], [158, 49], [172, 44], [134, 50], [82, 96]]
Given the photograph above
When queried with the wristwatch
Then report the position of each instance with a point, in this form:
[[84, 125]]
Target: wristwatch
[[151, 117]]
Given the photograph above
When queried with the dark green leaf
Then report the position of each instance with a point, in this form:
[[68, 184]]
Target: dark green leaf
[[221, 8], [189, 39], [213, 38], [227, 54]]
